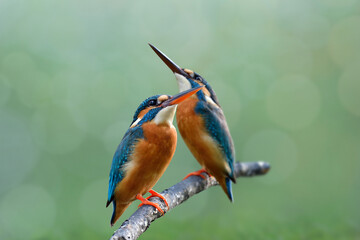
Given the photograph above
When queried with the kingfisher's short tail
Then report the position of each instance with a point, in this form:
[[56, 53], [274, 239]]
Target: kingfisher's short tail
[[225, 183], [119, 209]]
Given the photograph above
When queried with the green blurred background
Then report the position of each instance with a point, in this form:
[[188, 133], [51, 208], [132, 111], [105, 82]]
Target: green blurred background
[[286, 72]]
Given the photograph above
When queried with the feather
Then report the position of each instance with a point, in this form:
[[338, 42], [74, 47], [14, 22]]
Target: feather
[[121, 157], [217, 128]]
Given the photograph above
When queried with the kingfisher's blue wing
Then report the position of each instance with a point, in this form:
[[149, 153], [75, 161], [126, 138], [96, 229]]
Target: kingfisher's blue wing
[[216, 125], [122, 156]]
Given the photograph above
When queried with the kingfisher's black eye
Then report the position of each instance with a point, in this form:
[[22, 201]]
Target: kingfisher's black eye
[[197, 77], [152, 102]]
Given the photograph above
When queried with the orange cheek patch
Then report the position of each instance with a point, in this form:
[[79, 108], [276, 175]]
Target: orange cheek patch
[[205, 91], [145, 111], [141, 115]]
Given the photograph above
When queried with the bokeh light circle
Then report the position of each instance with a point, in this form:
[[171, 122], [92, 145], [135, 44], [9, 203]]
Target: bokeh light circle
[[349, 89], [34, 90], [31, 85], [293, 102], [344, 42], [255, 80], [92, 206], [27, 212], [113, 135], [5, 90], [275, 147], [339, 4], [55, 130], [291, 55], [301, 19], [18, 154], [229, 99], [16, 67], [98, 97]]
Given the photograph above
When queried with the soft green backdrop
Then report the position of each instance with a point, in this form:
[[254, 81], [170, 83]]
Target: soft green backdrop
[[286, 72]]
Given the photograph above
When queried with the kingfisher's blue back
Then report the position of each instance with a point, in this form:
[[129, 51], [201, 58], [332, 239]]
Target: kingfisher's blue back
[[215, 124], [121, 157]]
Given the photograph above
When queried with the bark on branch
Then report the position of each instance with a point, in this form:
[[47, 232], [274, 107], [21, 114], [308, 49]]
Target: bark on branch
[[140, 221]]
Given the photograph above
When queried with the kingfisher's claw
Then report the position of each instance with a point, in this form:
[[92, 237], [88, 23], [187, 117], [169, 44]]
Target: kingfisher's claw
[[147, 202], [197, 173]]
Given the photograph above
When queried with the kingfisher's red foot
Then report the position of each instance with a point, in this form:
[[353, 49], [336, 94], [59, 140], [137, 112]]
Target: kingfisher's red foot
[[197, 173], [147, 202], [156, 194]]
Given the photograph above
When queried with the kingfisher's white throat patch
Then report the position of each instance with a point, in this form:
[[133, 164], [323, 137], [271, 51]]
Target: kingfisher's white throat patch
[[165, 116], [183, 83]]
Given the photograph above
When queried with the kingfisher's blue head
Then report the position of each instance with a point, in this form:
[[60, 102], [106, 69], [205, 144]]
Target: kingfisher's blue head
[[188, 79], [160, 109]]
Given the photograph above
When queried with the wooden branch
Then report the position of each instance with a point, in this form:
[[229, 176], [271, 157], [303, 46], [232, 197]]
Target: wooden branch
[[140, 221]]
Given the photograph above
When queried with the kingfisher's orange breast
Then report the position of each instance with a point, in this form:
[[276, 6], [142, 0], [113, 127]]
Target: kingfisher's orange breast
[[202, 146], [150, 158]]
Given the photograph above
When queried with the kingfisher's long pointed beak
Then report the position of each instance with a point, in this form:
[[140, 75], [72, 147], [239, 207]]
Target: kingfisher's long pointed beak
[[175, 68], [178, 98]]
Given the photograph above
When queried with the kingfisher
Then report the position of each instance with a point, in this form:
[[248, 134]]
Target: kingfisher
[[144, 153], [202, 125]]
